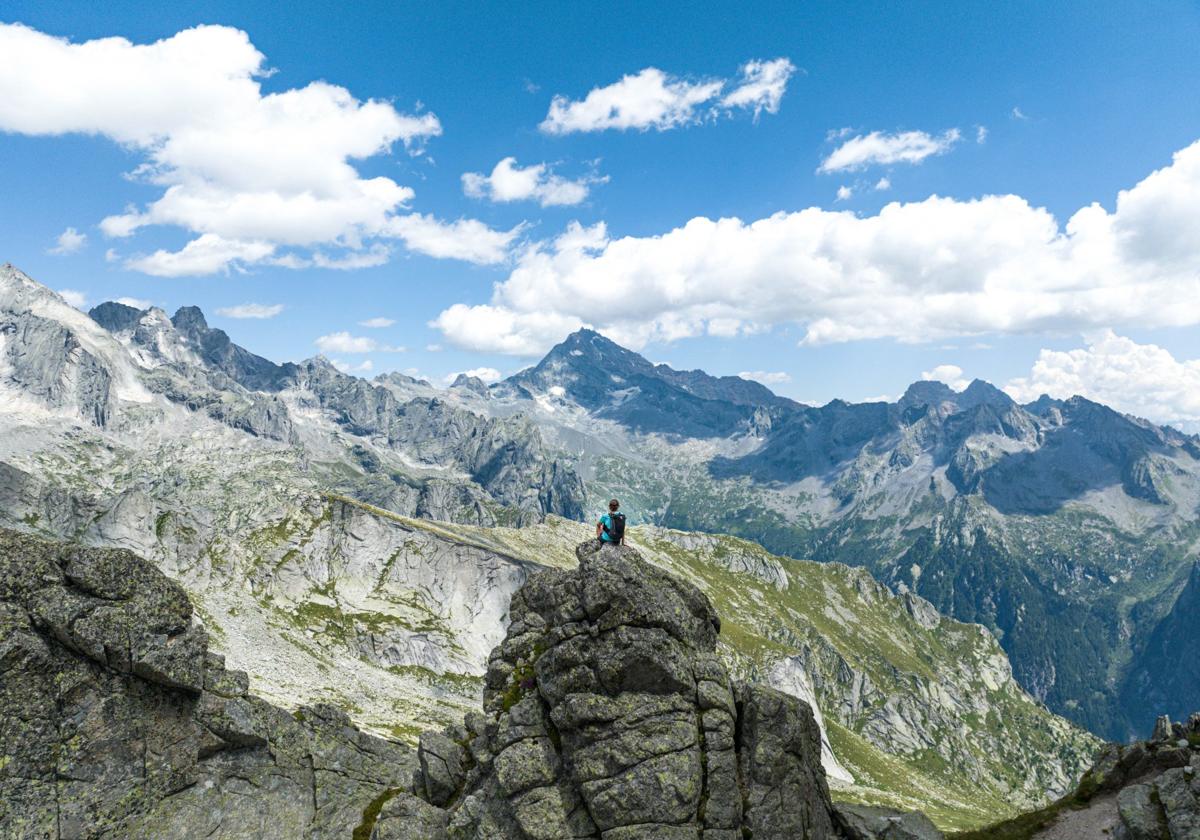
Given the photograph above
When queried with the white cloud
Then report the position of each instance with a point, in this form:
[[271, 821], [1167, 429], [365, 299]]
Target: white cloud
[[251, 310], [761, 86], [654, 99], [343, 342], [486, 374], [433, 348], [377, 323], [245, 172], [924, 271], [766, 377], [136, 303], [881, 148], [981, 133], [1140, 379], [206, 254], [883, 184], [844, 193], [68, 242], [509, 182], [951, 375], [465, 239], [111, 255], [1018, 114], [365, 366], [76, 299]]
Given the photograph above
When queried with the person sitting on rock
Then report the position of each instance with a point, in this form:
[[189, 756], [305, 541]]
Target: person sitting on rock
[[611, 527]]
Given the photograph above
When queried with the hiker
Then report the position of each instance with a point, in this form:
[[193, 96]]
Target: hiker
[[611, 527]]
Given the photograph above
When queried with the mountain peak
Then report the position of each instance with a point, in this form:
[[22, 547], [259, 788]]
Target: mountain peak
[[115, 317], [981, 391], [926, 392], [190, 320]]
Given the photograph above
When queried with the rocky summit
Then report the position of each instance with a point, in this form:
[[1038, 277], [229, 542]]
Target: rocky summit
[[607, 715]]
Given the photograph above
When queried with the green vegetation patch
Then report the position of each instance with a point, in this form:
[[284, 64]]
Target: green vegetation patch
[[370, 814]]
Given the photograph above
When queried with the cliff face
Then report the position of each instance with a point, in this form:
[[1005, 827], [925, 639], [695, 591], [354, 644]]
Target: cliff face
[[116, 721], [609, 715]]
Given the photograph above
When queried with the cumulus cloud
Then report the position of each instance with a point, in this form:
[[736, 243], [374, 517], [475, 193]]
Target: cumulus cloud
[[881, 148], [951, 375], [68, 242], [365, 366], [343, 342], [251, 310], [761, 86], [465, 239], [73, 297], [485, 374], [844, 193], [136, 303], [1140, 379], [654, 99], [206, 254], [777, 377], [922, 271], [377, 323], [510, 182], [247, 172], [883, 184]]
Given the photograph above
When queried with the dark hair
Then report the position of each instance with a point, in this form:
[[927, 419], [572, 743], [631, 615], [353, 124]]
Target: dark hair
[[613, 504]]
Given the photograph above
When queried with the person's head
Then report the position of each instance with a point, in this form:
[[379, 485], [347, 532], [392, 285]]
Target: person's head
[[613, 504]]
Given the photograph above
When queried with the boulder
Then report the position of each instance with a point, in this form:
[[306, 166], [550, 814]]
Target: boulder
[[870, 822]]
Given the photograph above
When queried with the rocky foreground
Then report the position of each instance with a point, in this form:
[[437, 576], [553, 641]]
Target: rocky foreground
[[1146, 790], [607, 715]]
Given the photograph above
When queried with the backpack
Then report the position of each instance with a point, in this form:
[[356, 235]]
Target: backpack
[[617, 532]]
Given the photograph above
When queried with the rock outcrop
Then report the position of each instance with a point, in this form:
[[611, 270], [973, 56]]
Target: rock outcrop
[[1156, 782], [116, 721], [1146, 790], [608, 715]]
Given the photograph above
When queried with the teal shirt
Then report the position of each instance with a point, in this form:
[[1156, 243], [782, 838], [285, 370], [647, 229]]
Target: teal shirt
[[606, 521]]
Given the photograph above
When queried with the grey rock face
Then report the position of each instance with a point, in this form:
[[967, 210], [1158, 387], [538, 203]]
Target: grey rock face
[[608, 715], [45, 359], [505, 456], [117, 722], [868, 822]]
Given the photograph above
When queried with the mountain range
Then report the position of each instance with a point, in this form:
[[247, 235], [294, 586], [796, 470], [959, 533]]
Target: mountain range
[[357, 541]]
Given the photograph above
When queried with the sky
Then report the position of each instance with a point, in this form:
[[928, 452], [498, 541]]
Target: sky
[[834, 201]]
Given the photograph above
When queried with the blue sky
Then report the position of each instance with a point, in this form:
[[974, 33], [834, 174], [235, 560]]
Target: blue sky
[[1059, 105]]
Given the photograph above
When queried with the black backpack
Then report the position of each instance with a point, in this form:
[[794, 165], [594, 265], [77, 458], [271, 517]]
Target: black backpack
[[617, 532]]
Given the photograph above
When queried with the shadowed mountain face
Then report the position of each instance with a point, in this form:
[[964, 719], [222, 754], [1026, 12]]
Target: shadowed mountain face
[[617, 384], [1166, 676]]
